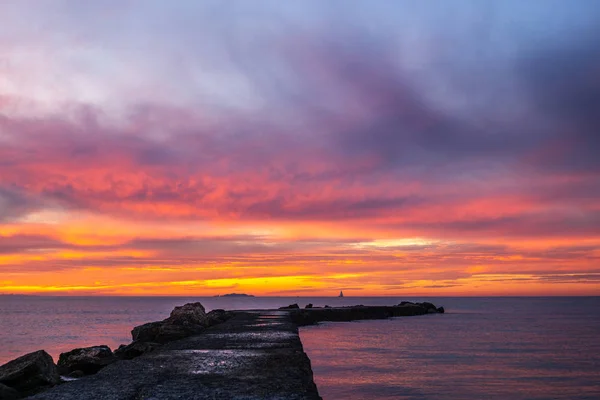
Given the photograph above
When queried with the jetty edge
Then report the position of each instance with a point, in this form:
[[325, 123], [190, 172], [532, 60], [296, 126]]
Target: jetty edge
[[245, 354]]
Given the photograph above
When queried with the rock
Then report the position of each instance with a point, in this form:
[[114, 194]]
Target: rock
[[30, 373], [89, 360], [76, 374], [290, 307], [428, 306], [218, 316], [326, 306], [188, 314], [146, 332], [135, 349], [309, 305], [7, 393], [168, 333], [184, 321]]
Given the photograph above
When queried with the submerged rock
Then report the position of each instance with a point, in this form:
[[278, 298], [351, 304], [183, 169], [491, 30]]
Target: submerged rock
[[89, 360], [30, 373], [7, 393]]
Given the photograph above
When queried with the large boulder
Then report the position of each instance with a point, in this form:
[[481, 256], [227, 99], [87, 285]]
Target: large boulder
[[188, 314], [7, 393], [89, 360], [135, 349], [147, 332], [184, 321], [30, 373]]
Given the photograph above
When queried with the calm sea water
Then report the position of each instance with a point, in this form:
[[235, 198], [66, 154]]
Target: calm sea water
[[504, 348], [482, 348]]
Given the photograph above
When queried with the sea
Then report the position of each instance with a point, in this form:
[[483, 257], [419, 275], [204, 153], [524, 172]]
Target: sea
[[481, 348]]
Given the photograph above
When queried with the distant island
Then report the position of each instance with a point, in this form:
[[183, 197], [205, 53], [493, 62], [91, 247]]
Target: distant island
[[235, 295]]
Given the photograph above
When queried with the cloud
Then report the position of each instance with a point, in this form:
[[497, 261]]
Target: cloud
[[562, 82], [350, 121], [16, 203], [22, 243]]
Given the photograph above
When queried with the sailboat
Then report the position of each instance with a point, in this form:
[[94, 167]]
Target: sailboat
[[341, 294]]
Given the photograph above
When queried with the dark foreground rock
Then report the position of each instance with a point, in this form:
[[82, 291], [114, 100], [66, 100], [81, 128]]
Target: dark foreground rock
[[135, 349], [313, 316], [253, 355], [7, 393], [88, 360], [30, 373]]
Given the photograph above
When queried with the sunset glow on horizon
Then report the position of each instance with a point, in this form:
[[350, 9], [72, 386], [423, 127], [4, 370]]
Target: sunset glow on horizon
[[397, 148]]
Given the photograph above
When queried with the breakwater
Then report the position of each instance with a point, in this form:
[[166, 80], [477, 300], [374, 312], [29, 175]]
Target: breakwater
[[193, 355]]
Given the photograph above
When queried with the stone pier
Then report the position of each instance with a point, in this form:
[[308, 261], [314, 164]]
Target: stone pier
[[254, 355]]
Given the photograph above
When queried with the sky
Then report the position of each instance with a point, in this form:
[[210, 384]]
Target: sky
[[382, 148]]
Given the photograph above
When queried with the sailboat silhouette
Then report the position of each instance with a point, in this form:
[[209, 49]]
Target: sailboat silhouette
[[341, 294]]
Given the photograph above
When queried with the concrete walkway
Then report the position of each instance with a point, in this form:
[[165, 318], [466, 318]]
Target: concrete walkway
[[254, 355]]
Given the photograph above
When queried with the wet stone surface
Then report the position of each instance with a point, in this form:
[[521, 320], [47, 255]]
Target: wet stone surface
[[254, 355]]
